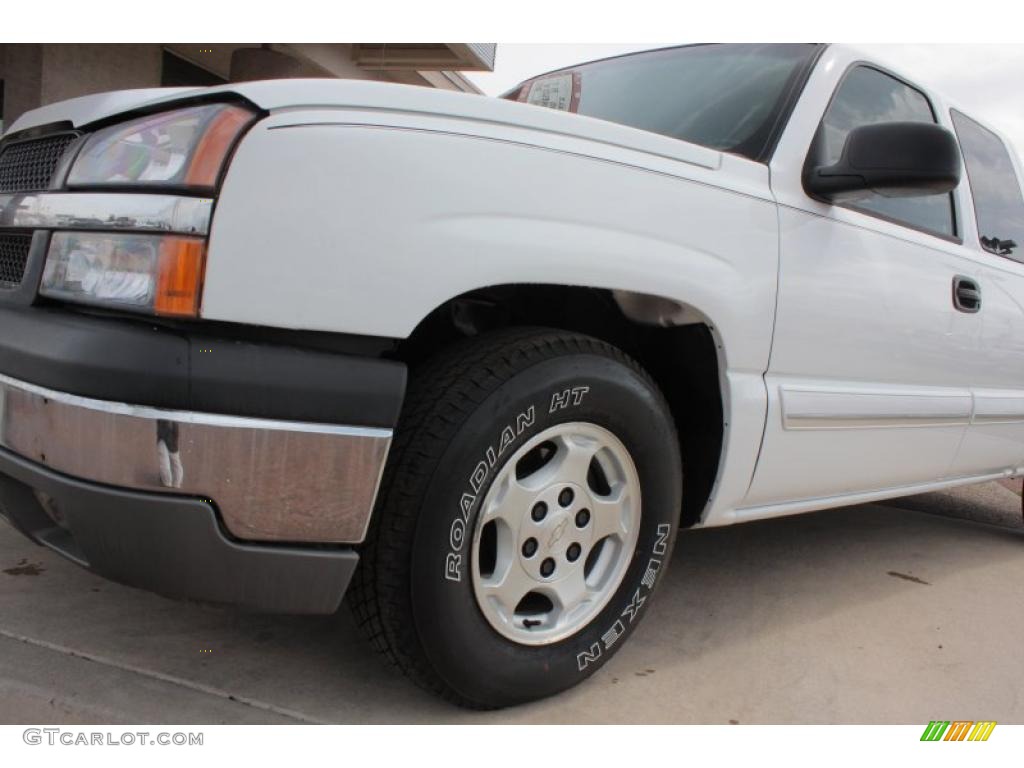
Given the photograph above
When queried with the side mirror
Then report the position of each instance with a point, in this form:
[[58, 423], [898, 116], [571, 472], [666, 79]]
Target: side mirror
[[891, 159]]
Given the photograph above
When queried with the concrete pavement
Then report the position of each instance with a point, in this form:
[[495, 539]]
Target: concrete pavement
[[897, 613]]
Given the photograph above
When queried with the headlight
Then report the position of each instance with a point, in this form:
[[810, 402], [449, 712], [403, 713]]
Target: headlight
[[156, 274], [182, 148]]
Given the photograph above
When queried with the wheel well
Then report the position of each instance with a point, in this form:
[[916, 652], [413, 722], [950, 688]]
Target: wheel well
[[682, 359]]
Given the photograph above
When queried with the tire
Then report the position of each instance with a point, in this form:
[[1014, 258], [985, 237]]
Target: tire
[[468, 414]]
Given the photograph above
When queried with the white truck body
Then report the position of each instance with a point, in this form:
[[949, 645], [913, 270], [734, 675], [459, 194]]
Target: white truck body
[[358, 207]]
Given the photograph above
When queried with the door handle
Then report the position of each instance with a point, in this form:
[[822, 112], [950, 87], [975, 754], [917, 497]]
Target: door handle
[[966, 294]]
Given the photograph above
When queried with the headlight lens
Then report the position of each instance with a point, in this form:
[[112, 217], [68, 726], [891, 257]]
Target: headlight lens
[[156, 274], [182, 148]]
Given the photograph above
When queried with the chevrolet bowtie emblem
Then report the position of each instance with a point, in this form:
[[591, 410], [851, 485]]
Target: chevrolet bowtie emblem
[[557, 533]]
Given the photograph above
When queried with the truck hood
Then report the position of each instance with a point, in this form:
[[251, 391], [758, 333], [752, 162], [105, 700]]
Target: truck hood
[[287, 95], [89, 109], [269, 95]]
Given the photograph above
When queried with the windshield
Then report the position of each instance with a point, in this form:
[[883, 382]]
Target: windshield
[[727, 97]]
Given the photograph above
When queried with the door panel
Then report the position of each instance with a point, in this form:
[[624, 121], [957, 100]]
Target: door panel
[[869, 382], [862, 392], [995, 439]]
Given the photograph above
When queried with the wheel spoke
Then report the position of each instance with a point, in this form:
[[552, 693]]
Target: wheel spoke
[[510, 503], [610, 514], [569, 593], [508, 589], [572, 463]]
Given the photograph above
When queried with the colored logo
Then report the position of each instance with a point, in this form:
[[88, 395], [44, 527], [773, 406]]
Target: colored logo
[[958, 730]]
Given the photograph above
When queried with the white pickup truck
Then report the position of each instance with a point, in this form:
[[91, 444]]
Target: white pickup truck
[[473, 361]]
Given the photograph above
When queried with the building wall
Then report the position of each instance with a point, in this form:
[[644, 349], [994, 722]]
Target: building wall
[[337, 59], [75, 70], [21, 69], [37, 74]]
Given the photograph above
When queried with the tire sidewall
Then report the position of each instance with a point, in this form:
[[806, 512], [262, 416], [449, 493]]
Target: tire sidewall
[[468, 653]]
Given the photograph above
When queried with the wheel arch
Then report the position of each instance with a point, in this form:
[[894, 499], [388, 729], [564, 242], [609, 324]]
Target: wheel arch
[[675, 342]]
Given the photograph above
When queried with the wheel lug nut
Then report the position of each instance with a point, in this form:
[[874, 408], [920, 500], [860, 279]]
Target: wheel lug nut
[[582, 518], [530, 547], [565, 497], [573, 552], [539, 511], [547, 567]]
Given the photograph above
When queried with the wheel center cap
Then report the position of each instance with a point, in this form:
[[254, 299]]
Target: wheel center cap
[[556, 537]]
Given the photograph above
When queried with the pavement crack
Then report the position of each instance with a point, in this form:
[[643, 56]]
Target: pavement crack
[[163, 677], [908, 577]]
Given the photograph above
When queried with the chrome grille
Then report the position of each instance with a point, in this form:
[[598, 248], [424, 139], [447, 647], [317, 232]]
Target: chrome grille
[[28, 166], [14, 247]]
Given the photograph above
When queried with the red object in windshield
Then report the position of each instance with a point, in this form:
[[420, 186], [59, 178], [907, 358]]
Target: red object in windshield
[[560, 91]]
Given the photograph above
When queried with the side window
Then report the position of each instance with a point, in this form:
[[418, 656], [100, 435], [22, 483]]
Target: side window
[[998, 202], [867, 96]]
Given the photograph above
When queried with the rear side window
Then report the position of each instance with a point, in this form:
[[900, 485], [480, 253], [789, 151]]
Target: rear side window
[[998, 202], [867, 96]]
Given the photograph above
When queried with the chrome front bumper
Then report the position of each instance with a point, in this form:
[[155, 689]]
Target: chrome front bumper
[[270, 480], [107, 211]]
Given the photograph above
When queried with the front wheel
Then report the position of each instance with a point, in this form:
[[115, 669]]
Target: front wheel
[[527, 511]]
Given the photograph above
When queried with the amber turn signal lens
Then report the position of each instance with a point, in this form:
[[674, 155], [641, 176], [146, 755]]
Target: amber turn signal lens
[[213, 147], [179, 283]]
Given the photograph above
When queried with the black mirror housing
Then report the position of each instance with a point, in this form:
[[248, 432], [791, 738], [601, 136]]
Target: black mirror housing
[[890, 159]]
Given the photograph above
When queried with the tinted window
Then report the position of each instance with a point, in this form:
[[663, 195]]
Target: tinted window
[[867, 96], [726, 97], [998, 202]]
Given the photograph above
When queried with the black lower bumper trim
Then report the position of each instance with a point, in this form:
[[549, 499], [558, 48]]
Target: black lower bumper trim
[[131, 361], [167, 544]]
